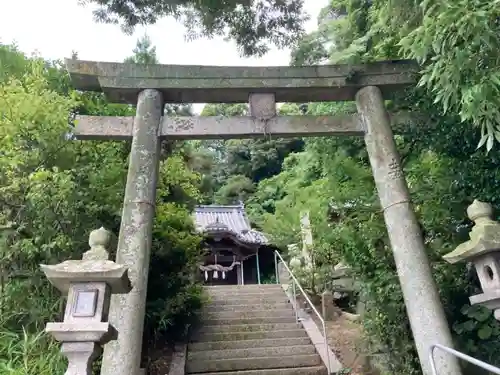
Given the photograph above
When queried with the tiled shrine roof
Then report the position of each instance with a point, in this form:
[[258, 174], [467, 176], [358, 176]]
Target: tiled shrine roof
[[230, 220]]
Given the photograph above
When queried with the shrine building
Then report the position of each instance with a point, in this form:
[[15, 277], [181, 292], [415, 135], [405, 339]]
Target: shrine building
[[235, 254]]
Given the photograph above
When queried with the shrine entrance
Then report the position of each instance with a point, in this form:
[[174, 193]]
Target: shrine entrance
[[149, 87], [214, 277], [220, 267], [231, 246]]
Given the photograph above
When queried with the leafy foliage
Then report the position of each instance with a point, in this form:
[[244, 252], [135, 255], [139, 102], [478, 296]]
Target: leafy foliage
[[54, 190], [457, 42], [251, 24], [144, 52], [231, 168]]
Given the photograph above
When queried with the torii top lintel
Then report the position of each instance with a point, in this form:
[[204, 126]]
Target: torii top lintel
[[121, 82]]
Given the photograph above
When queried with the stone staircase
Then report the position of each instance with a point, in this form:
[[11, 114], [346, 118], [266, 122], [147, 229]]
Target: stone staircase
[[251, 330]]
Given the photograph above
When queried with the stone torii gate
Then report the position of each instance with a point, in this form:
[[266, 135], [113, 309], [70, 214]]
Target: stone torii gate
[[149, 87]]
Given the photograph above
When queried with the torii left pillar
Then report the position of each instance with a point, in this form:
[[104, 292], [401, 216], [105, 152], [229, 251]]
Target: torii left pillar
[[127, 311]]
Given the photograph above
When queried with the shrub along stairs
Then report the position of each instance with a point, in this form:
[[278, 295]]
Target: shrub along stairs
[[251, 330]]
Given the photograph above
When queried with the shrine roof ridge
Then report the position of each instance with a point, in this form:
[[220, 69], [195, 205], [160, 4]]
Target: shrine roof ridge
[[121, 82], [227, 219]]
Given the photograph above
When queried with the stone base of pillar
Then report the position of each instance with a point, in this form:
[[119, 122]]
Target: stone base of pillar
[[81, 356]]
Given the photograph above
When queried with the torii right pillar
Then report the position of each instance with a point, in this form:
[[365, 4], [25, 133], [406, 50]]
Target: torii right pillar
[[423, 306]]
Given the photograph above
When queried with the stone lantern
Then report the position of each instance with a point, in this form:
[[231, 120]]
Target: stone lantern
[[483, 250], [88, 284]]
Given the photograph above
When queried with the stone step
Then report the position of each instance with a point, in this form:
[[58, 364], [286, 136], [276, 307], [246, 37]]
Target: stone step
[[216, 288], [244, 307], [249, 299], [313, 370], [247, 328], [242, 287], [251, 304], [252, 352], [249, 314], [244, 344], [236, 300], [250, 292], [241, 321], [255, 363], [249, 335], [239, 292]]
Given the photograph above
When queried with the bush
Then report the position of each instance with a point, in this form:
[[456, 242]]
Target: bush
[[174, 297]]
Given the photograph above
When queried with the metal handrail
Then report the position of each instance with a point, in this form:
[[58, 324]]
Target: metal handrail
[[296, 283], [460, 355]]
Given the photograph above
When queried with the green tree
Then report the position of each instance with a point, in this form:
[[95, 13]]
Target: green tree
[[242, 162], [144, 52], [455, 43], [55, 190], [228, 110], [251, 24], [236, 189]]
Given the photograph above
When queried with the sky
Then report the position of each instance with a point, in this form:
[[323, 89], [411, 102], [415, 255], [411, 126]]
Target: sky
[[55, 28]]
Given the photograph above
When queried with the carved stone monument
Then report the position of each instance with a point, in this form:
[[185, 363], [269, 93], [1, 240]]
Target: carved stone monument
[[307, 239], [88, 283], [483, 250]]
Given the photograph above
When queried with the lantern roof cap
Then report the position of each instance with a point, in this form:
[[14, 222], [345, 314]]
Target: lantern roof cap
[[484, 236]]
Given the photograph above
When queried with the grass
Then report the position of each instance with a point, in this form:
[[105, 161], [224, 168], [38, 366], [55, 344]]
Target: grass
[[24, 353], [25, 349]]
